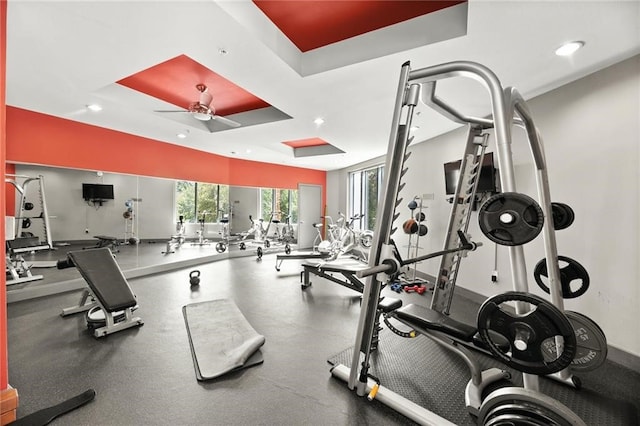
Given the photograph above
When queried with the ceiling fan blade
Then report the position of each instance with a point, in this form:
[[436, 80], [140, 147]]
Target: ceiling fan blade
[[226, 121]]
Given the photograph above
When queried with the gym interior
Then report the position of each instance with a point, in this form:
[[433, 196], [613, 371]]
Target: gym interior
[[389, 265]]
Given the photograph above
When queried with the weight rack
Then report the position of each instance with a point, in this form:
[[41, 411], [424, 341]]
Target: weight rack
[[508, 109]]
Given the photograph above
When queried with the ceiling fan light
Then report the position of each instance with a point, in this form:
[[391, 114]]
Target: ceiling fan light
[[202, 116]]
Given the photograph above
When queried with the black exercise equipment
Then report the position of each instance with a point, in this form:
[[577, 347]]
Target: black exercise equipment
[[47, 415], [527, 334], [105, 241], [563, 216], [194, 277], [511, 219], [108, 290], [571, 274], [591, 343]]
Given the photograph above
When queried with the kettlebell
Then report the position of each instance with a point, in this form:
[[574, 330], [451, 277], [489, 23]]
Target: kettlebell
[[194, 277]]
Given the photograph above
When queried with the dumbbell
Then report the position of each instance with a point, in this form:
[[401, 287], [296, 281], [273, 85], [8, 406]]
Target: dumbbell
[[418, 289], [397, 287]]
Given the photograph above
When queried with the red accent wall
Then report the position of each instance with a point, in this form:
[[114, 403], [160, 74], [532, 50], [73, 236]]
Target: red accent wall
[[36, 138], [10, 195], [4, 365]]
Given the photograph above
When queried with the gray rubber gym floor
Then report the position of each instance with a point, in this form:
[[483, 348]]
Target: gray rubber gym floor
[[145, 376]]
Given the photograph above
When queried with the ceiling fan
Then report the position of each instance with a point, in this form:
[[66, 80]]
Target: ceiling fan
[[203, 110]]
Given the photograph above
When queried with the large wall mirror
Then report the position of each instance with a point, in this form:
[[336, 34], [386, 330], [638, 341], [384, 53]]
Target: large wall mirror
[[84, 204]]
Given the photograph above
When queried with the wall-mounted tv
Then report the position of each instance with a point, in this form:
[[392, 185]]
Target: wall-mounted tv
[[488, 176], [97, 191]]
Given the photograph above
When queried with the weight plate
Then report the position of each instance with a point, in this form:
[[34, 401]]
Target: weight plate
[[520, 406], [563, 216], [366, 239], [572, 274], [527, 334], [511, 219], [591, 343]]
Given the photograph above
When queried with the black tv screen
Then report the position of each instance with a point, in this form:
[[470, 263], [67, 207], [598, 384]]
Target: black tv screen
[[487, 180], [96, 191]]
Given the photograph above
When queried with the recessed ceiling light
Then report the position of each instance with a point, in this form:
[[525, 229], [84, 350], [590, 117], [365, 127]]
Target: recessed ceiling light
[[94, 107], [570, 48], [319, 121], [183, 134], [414, 128]]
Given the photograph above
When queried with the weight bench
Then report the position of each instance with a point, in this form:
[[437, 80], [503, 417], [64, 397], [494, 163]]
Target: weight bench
[[346, 267], [108, 295], [105, 241]]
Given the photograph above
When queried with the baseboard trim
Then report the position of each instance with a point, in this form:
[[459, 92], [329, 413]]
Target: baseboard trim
[[9, 404]]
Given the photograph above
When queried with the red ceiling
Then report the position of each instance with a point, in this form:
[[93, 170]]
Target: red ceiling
[[305, 143], [175, 80], [310, 24]]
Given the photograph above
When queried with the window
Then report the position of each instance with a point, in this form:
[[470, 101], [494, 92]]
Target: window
[[197, 201], [282, 202], [364, 192]]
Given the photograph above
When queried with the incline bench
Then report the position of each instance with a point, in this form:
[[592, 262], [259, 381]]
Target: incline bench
[[109, 299]]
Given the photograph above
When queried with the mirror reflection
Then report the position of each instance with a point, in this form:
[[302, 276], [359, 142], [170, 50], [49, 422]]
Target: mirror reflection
[[62, 208]]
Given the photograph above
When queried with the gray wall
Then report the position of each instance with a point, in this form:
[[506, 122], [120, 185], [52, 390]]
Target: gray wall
[[71, 216], [591, 134]]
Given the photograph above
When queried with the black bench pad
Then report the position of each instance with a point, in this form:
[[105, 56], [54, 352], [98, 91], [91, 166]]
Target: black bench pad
[[104, 277], [429, 319]]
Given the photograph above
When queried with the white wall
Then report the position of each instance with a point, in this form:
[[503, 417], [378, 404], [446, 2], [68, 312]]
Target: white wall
[[245, 202], [591, 133]]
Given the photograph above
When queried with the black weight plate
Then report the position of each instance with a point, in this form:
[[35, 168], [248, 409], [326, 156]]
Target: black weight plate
[[563, 216], [511, 219], [569, 276], [591, 343], [535, 329]]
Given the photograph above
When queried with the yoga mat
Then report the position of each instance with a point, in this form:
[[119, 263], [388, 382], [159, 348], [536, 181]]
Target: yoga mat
[[221, 338]]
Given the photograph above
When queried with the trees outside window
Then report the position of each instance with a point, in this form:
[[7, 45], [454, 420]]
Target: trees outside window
[[196, 201], [364, 193]]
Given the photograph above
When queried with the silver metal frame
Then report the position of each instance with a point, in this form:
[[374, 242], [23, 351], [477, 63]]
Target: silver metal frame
[[508, 109]]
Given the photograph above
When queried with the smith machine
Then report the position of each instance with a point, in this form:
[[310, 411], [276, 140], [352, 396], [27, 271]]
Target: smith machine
[[510, 224]]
